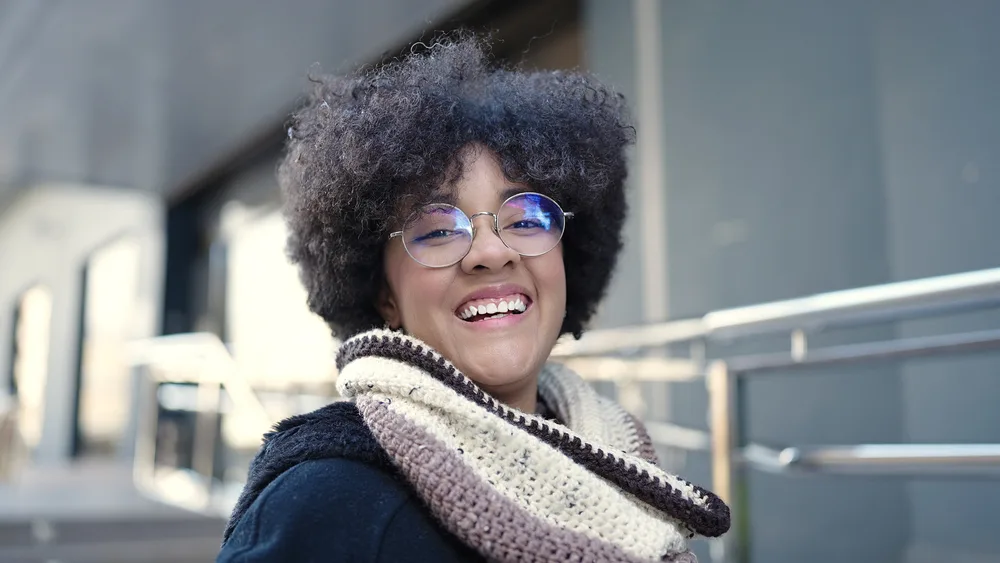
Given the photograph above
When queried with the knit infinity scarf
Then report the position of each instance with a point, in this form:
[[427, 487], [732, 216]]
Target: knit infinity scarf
[[516, 486]]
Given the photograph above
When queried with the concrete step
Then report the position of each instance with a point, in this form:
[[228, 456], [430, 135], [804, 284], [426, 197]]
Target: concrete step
[[154, 540], [92, 513]]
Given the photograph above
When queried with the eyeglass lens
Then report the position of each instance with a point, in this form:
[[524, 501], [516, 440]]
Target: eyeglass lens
[[440, 234]]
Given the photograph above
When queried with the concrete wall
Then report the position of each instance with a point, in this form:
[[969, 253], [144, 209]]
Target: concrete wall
[[815, 146], [155, 93], [46, 237]]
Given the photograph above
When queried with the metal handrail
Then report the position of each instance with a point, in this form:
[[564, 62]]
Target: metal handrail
[[796, 317], [205, 358], [877, 459], [917, 459], [896, 459], [897, 349], [731, 456], [201, 359], [825, 310], [604, 341], [599, 368], [861, 305], [689, 439]]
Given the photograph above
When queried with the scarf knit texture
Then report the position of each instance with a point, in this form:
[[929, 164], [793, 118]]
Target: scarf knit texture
[[514, 486]]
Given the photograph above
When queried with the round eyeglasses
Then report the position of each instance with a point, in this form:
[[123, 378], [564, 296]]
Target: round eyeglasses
[[438, 235]]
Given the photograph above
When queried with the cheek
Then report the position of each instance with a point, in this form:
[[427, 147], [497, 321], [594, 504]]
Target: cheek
[[550, 275], [393, 267], [414, 287]]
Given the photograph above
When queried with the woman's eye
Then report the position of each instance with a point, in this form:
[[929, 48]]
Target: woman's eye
[[438, 234], [528, 224]]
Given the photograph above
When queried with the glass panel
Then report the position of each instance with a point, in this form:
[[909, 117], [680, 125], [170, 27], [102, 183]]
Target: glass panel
[[273, 334], [109, 302], [277, 342], [31, 360]]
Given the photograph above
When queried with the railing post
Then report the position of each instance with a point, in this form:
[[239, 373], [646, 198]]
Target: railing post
[[146, 423], [727, 473], [206, 431]]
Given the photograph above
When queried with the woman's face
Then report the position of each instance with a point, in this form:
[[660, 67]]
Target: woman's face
[[503, 355]]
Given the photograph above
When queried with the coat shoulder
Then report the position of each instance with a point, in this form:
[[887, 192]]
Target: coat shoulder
[[342, 508]]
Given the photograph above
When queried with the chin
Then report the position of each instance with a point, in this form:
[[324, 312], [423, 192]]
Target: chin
[[491, 370]]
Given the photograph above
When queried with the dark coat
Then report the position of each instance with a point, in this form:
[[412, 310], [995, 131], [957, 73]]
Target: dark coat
[[322, 490]]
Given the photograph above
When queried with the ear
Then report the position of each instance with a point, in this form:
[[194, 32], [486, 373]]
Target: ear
[[387, 307]]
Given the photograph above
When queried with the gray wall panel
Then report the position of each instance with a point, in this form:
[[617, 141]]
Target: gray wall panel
[[774, 190], [608, 52], [940, 120]]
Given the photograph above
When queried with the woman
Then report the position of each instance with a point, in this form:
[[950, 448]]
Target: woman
[[451, 220]]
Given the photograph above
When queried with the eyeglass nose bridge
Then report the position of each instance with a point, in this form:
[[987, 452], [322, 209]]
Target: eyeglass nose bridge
[[496, 223], [495, 228]]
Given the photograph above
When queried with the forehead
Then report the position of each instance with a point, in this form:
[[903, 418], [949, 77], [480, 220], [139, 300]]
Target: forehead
[[480, 180], [465, 196]]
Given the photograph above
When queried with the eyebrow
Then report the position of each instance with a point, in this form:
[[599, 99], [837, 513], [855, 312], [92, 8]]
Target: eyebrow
[[442, 197], [449, 197], [512, 191]]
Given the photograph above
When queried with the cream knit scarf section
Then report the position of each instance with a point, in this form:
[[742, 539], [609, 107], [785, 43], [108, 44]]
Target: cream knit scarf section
[[515, 486]]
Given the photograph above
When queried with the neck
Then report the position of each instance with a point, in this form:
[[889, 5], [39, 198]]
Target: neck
[[523, 398]]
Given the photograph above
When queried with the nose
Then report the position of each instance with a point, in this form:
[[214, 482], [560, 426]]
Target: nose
[[488, 252]]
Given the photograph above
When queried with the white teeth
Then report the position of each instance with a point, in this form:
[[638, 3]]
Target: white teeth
[[499, 308]]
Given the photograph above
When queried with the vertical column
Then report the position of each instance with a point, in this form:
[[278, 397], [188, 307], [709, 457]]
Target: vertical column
[[651, 170], [651, 184], [6, 338], [60, 393]]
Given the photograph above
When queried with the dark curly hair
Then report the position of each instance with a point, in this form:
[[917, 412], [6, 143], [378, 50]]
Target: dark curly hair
[[368, 147]]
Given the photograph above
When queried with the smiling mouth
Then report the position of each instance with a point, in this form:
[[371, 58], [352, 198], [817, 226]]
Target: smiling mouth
[[488, 309]]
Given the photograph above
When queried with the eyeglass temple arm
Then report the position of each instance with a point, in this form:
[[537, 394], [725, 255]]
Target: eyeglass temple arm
[[568, 214]]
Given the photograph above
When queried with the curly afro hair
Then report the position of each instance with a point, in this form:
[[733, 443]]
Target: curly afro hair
[[368, 147]]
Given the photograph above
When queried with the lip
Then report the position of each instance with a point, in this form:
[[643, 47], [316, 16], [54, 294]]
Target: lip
[[494, 292]]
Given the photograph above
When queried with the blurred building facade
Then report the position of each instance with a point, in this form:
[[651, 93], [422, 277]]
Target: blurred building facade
[[785, 148]]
